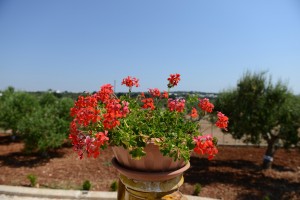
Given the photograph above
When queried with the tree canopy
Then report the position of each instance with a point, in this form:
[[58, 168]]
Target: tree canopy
[[259, 109], [41, 121]]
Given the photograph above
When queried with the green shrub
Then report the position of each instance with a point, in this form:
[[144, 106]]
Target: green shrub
[[197, 189], [114, 186], [42, 120], [47, 127], [13, 106], [86, 185], [33, 179]]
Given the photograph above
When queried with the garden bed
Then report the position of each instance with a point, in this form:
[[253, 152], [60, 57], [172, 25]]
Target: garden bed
[[234, 174]]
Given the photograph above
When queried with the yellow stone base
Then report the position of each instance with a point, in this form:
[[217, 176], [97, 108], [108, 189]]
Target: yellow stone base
[[136, 190]]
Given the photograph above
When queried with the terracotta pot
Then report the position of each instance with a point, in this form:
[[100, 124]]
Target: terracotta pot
[[154, 161], [149, 176]]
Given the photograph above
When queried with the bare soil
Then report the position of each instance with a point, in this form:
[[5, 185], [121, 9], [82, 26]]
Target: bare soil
[[234, 174]]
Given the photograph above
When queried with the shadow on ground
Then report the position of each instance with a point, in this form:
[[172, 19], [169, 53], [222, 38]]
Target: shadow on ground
[[242, 173], [23, 159]]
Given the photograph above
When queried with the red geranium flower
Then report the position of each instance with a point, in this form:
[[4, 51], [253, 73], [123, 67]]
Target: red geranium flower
[[154, 92], [194, 113], [130, 82], [222, 121], [205, 105], [173, 80]]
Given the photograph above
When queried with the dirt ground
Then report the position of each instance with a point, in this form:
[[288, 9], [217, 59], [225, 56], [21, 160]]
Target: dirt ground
[[234, 174]]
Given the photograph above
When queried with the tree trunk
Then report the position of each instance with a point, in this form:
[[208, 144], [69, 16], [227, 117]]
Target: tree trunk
[[268, 157], [14, 135]]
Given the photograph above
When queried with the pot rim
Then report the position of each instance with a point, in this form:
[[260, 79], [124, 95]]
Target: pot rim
[[149, 176]]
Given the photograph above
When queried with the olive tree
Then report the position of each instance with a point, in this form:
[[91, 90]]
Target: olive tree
[[41, 121], [259, 109], [47, 127], [14, 105]]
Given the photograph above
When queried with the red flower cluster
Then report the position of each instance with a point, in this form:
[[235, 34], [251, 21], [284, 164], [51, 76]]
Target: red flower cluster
[[176, 105], [205, 145], [148, 103], [154, 92], [84, 143], [165, 94], [96, 114], [93, 144], [113, 113], [194, 113], [173, 80], [222, 121], [86, 111], [105, 93], [130, 82], [205, 105]]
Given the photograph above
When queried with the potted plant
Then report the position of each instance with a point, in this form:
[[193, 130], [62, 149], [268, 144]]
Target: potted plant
[[152, 135], [103, 119]]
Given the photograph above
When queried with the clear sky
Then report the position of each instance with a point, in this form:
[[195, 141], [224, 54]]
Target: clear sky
[[79, 45]]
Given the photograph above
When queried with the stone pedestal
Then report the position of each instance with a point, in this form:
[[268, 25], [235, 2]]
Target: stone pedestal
[[137, 185]]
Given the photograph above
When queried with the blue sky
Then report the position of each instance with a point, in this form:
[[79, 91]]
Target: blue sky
[[80, 45]]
